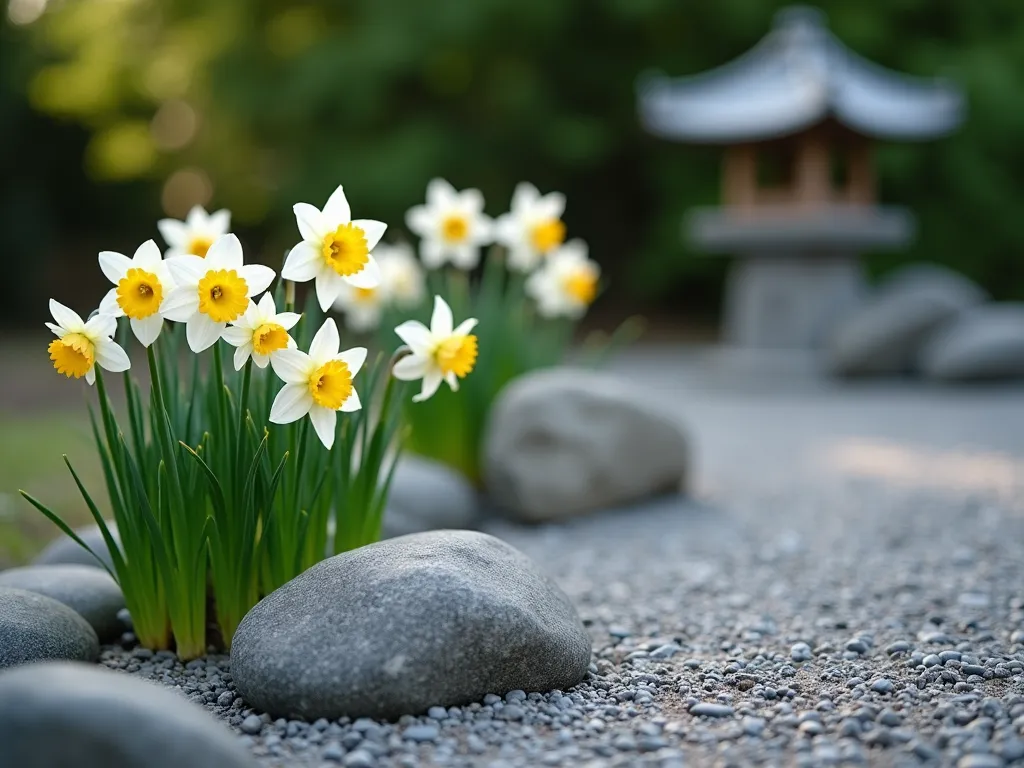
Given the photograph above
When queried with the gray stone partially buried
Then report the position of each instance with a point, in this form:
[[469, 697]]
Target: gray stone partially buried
[[89, 591], [64, 714], [986, 342], [34, 627], [439, 618], [886, 335], [566, 441], [427, 495], [65, 550]]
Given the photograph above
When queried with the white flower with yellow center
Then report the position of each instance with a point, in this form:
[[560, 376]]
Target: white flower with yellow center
[[317, 384], [401, 276], [260, 332], [213, 291], [140, 285], [194, 235], [438, 353], [362, 307], [81, 346], [335, 249], [533, 228], [451, 226], [566, 283]]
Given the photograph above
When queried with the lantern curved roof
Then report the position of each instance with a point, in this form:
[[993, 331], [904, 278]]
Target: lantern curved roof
[[798, 75]]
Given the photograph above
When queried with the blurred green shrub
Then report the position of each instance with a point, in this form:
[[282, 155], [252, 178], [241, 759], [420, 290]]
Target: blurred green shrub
[[267, 102]]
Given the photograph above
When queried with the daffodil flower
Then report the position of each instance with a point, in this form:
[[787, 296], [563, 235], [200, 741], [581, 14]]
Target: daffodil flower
[[362, 307], [533, 227], [335, 249], [260, 332], [438, 353], [194, 235], [317, 384], [213, 291], [451, 226], [566, 283], [80, 346], [401, 276], [140, 284]]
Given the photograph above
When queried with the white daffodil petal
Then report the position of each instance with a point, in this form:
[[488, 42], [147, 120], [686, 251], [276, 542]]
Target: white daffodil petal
[[57, 330], [441, 321], [324, 421], [257, 277], [416, 335], [236, 335], [242, 354], [287, 320], [196, 217], [114, 265], [262, 361], [465, 327], [100, 325], [186, 270], [291, 404], [303, 263], [174, 232], [432, 252], [353, 358], [90, 376], [65, 317], [367, 277], [109, 305], [219, 222], [111, 357], [372, 230], [266, 306], [552, 205], [326, 343], [472, 200], [180, 304], [225, 253], [440, 193], [420, 220], [411, 367], [525, 196], [431, 381], [312, 225], [147, 330], [353, 403], [148, 256], [292, 366], [466, 256], [328, 286], [453, 381], [337, 210], [202, 332]]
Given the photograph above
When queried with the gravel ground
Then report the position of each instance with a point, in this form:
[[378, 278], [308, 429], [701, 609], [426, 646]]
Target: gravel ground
[[847, 588]]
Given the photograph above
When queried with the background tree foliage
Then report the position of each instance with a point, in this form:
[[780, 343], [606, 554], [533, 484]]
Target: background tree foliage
[[288, 98]]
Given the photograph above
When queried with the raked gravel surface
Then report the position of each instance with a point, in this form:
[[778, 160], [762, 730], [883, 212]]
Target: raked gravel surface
[[846, 588]]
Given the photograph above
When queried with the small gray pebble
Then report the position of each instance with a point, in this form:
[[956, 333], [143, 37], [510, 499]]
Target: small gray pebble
[[421, 733], [252, 725], [707, 709], [882, 685], [359, 759], [333, 752]]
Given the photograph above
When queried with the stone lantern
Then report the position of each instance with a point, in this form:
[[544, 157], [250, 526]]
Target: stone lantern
[[798, 115]]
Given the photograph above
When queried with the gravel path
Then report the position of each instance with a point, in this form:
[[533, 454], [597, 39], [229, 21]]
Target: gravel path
[[848, 588]]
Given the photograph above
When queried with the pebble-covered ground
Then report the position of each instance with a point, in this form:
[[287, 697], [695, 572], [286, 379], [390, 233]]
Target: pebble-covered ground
[[847, 588]]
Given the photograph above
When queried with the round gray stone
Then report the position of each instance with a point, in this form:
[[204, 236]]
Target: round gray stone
[[886, 334], [565, 441], [34, 627], [438, 618], [427, 495], [90, 591], [65, 550], [986, 342], [71, 714]]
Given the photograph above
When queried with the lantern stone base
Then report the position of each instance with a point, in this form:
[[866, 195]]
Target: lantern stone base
[[796, 272]]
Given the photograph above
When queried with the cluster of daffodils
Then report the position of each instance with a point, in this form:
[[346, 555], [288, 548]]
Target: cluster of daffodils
[[214, 476], [203, 283]]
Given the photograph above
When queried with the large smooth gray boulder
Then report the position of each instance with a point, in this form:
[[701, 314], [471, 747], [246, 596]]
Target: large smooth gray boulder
[[63, 714], [440, 618], [564, 441], [427, 495], [89, 591], [984, 343], [34, 627], [65, 551], [885, 336]]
